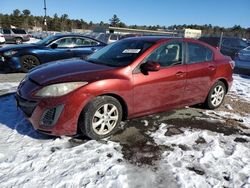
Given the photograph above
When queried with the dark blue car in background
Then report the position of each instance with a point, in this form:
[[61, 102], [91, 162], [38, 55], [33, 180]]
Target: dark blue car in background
[[64, 46]]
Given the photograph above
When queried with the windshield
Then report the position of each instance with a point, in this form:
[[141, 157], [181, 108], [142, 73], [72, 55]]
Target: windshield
[[243, 43], [47, 40], [120, 53]]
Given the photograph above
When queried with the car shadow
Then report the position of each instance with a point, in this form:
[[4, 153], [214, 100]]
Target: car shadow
[[14, 119]]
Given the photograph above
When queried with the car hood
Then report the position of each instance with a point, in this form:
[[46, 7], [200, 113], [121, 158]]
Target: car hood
[[18, 47], [67, 71]]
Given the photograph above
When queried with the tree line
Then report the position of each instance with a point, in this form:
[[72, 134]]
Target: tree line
[[24, 19]]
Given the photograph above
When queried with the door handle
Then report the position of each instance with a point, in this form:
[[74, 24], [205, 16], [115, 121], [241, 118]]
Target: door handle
[[212, 67], [180, 74]]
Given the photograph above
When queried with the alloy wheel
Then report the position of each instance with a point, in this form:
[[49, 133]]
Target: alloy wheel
[[217, 95], [29, 63], [105, 119]]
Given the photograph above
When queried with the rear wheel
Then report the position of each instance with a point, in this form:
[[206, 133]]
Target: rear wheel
[[216, 95], [101, 117], [28, 62], [18, 40]]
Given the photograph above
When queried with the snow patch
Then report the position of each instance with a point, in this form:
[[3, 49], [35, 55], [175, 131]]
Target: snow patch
[[8, 87], [218, 162]]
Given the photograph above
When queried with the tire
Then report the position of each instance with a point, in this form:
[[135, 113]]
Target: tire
[[28, 62], [18, 40], [216, 95], [95, 123]]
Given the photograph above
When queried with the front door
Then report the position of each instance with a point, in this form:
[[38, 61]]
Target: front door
[[62, 51], [164, 89]]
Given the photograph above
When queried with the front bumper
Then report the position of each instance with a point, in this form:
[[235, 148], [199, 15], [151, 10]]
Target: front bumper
[[13, 62], [54, 116]]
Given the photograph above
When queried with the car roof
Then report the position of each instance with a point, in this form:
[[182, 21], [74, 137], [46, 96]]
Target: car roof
[[75, 35], [158, 39], [151, 38]]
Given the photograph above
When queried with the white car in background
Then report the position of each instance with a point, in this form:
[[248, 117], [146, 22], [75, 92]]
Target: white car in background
[[2, 39]]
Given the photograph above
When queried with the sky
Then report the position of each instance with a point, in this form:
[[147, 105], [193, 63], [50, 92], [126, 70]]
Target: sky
[[226, 13]]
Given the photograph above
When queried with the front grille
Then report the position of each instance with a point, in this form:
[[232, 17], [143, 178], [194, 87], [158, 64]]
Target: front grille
[[50, 116], [26, 106]]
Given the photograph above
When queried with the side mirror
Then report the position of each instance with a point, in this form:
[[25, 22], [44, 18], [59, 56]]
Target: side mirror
[[54, 45], [150, 66]]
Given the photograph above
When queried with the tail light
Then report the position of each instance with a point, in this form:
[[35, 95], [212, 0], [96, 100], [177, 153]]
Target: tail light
[[232, 63]]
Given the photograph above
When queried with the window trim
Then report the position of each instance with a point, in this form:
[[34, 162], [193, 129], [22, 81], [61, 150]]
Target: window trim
[[137, 68], [98, 43], [187, 53]]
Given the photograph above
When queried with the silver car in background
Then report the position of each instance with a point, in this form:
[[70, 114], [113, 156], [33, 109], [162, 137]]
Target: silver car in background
[[15, 35]]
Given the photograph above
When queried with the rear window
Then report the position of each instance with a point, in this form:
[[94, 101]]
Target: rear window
[[19, 31]]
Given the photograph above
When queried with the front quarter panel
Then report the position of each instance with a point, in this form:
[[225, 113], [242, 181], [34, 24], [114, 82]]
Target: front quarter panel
[[117, 87]]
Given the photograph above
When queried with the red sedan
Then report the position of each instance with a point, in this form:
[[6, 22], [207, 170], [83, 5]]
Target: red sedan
[[130, 78]]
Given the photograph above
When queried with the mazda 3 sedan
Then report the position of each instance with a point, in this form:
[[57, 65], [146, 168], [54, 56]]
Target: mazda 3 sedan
[[130, 78], [24, 57]]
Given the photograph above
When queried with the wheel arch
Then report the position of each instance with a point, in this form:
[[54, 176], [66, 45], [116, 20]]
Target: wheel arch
[[32, 54], [116, 96], [121, 101], [224, 81]]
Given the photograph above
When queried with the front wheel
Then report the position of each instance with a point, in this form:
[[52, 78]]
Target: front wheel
[[29, 62], [216, 95], [18, 40], [101, 117]]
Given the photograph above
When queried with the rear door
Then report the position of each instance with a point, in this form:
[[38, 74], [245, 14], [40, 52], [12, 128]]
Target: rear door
[[200, 71], [164, 89]]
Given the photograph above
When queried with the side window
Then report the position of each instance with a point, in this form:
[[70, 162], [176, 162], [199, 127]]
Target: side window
[[113, 37], [65, 43], [167, 55], [198, 53], [225, 42], [6, 31], [19, 31], [84, 42]]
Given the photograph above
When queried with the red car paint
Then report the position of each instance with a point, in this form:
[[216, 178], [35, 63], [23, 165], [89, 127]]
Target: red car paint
[[140, 94]]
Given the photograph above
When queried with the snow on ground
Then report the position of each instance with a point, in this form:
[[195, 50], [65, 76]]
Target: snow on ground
[[196, 158], [8, 87], [206, 159], [241, 87], [32, 40]]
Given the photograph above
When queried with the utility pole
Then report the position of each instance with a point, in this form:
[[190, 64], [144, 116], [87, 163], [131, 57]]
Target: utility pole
[[45, 17]]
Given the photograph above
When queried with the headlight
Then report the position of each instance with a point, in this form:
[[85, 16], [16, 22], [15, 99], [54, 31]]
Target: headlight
[[9, 53], [56, 90]]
